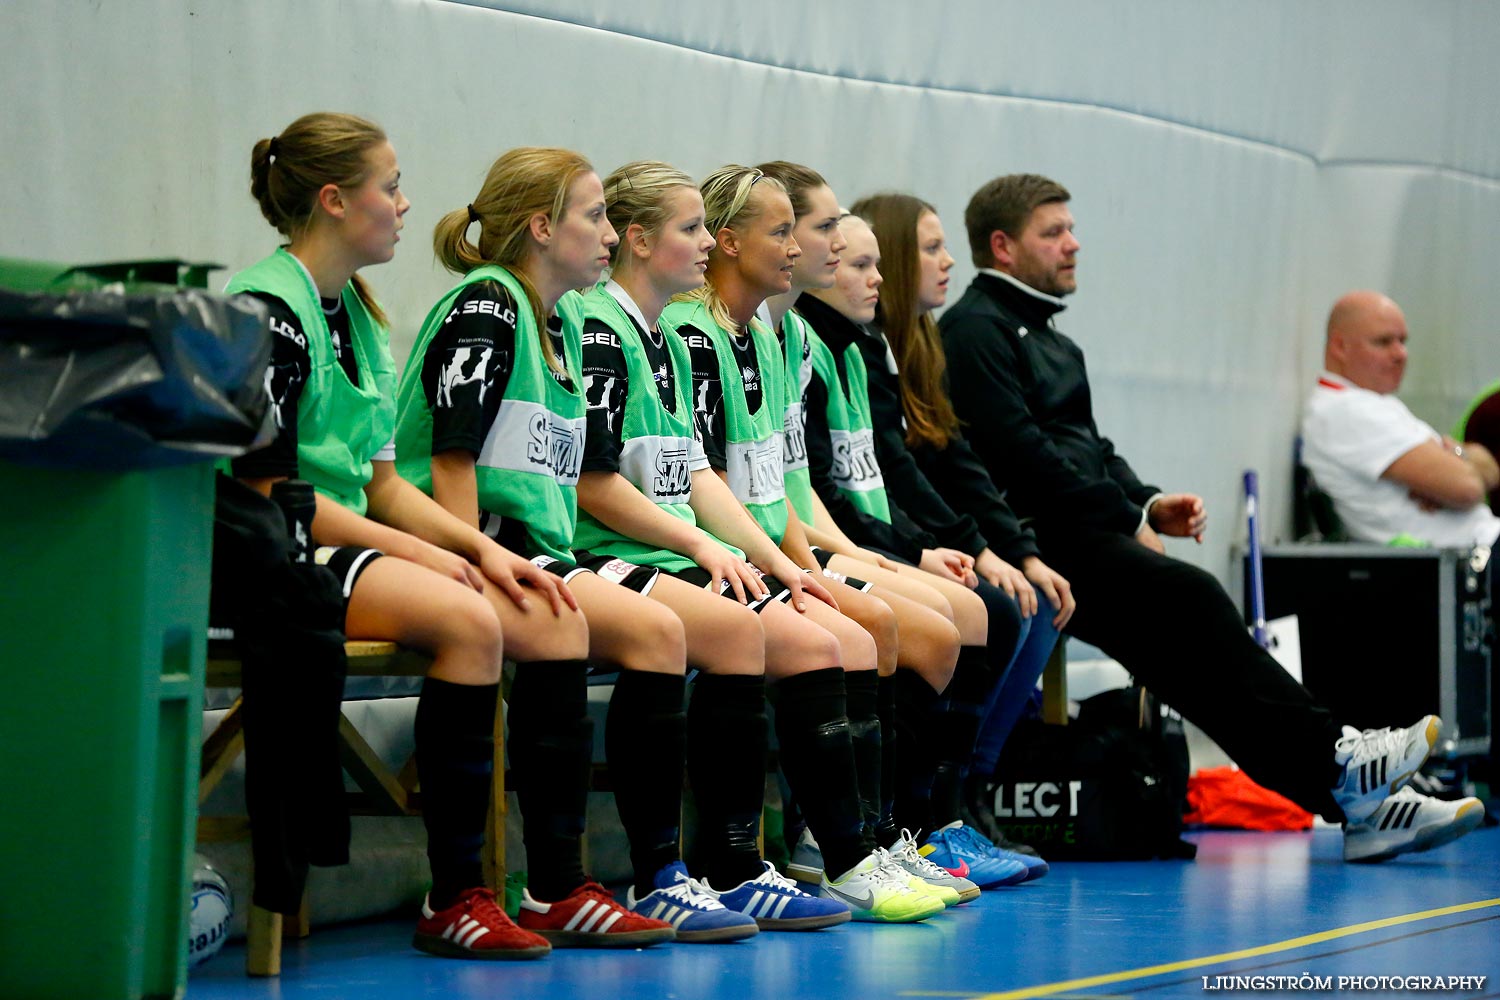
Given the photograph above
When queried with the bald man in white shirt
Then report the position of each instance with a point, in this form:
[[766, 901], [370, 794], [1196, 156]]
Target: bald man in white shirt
[[1391, 476]]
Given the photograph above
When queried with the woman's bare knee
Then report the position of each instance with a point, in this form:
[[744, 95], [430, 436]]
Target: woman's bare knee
[[971, 618], [859, 650], [883, 625], [654, 641], [796, 644], [932, 651], [738, 646], [468, 643], [538, 634]]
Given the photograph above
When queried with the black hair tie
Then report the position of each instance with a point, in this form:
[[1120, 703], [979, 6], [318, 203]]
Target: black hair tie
[[473, 215], [275, 147]]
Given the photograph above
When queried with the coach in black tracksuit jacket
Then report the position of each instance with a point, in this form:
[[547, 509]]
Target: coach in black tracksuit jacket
[[1022, 390]]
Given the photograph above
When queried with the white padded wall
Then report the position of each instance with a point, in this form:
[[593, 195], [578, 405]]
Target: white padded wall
[[1234, 166]]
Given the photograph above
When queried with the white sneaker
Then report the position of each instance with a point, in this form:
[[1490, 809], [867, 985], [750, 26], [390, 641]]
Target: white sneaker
[[1409, 821], [877, 889], [1379, 761], [904, 852]]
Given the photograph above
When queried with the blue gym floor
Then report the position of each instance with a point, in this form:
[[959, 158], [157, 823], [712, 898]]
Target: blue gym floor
[[1252, 904]]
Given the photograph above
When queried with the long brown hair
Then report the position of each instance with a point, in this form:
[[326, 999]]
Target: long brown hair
[[521, 183], [288, 170], [912, 334]]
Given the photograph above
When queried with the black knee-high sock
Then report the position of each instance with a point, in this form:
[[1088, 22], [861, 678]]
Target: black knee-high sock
[[915, 761], [885, 707], [455, 740], [726, 757], [864, 735], [812, 728], [954, 725], [551, 746], [645, 741]]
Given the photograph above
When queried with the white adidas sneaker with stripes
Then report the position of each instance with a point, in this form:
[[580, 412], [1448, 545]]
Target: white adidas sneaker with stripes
[[1410, 821], [1377, 762]]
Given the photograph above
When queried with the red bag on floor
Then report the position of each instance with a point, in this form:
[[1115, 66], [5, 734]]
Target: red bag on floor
[[1226, 797]]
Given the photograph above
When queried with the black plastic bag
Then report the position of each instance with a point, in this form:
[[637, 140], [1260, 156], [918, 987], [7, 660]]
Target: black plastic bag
[[114, 380]]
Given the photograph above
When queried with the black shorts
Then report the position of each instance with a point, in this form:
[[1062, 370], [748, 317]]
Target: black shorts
[[699, 577], [347, 563], [637, 578], [823, 555]]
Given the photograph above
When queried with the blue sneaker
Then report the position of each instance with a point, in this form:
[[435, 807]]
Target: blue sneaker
[[964, 852], [1035, 866], [679, 899], [778, 905]]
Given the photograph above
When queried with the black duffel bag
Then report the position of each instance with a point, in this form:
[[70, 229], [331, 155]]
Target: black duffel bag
[[1109, 786]]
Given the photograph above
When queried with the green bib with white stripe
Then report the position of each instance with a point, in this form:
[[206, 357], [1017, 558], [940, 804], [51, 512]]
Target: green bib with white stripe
[[856, 472], [799, 370], [340, 425], [752, 442], [655, 445], [527, 469]]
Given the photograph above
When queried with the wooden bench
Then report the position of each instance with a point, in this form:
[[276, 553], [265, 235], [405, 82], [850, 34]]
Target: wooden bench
[[382, 791]]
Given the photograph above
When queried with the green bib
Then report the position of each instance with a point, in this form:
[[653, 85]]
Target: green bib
[[654, 445], [752, 442], [799, 370], [527, 468], [856, 472], [340, 426]]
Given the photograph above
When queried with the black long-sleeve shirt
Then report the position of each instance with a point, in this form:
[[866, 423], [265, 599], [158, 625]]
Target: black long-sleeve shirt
[[1023, 391]]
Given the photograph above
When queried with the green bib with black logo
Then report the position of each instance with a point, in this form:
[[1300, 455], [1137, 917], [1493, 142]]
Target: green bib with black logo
[[752, 442], [856, 472], [527, 469], [340, 425], [655, 445]]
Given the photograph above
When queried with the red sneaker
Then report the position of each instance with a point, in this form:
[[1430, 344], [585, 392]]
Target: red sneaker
[[475, 927], [589, 917]]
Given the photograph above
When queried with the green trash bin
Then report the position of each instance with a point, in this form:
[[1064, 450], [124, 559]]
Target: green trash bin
[[104, 586], [103, 609], [22, 275]]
